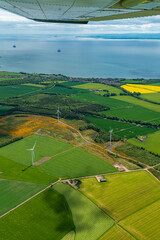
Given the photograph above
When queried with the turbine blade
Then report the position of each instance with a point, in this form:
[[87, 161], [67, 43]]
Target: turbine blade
[[34, 145]]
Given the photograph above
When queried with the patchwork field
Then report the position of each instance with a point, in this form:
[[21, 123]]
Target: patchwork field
[[13, 193], [139, 154], [46, 216], [151, 143], [122, 194], [155, 97], [124, 130], [45, 147], [76, 163], [16, 90], [17, 171], [119, 107], [141, 88], [99, 86], [63, 90], [90, 221], [145, 223], [129, 99], [116, 232]]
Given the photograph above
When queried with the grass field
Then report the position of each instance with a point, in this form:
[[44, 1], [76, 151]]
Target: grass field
[[16, 90], [117, 233], [13, 193], [63, 90], [90, 222], [139, 154], [76, 163], [45, 147], [4, 109], [151, 143], [122, 194], [155, 97], [145, 223], [129, 99], [119, 108], [46, 216], [121, 129], [99, 86], [17, 171], [70, 83]]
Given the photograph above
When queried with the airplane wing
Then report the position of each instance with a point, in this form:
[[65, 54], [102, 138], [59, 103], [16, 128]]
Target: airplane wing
[[81, 11]]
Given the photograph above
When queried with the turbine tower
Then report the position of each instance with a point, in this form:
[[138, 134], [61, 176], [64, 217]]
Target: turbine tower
[[32, 153], [110, 136], [58, 112]]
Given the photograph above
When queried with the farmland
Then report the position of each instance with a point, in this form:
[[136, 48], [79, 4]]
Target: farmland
[[71, 152], [63, 90], [46, 147], [16, 171], [48, 213], [76, 163], [16, 90], [141, 88], [141, 155], [155, 97], [117, 232], [4, 109], [89, 220], [151, 143], [144, 224], [98, 86], [139, 102], [122, 194], [13, 193], [122, 129]]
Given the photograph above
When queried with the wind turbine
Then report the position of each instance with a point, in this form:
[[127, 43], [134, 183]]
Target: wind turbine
[[32, 153], [110, 135], [58, 112]]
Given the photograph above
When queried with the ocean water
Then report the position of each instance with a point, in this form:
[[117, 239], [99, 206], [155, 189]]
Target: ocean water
[[83, 58]]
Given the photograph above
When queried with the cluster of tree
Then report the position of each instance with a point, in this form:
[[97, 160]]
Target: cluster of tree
[[109, 94], [47, 103], [101, 136], [7, 141]]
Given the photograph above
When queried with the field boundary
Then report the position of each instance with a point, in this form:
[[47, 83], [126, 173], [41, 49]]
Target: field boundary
[[11, 210]]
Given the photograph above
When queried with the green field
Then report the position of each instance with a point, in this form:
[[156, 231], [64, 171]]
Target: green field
[[151, 143], [99, 86], [4, 109], [122, 129], [63, 90], [70, 83], [16, 90], [13, 193], [122, 194], [129, 99], [155, 97], [45, 147], [139, 154], [90, 221], [117, 233], [46, 216], [76, 163], [105, 101], [145, 223], [17, 171]]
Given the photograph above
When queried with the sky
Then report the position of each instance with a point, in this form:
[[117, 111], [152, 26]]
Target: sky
[[14, 24]]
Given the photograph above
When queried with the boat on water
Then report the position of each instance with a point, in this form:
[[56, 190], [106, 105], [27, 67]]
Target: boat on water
[[59, 50], [14, 46]]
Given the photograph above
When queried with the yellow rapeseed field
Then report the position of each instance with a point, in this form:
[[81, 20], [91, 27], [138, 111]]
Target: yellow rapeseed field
[[141, 88]]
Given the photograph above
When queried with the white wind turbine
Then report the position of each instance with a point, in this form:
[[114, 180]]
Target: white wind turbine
[[32, 153]]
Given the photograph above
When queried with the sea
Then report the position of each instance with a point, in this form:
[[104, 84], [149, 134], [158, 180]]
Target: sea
[[96, 57]]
